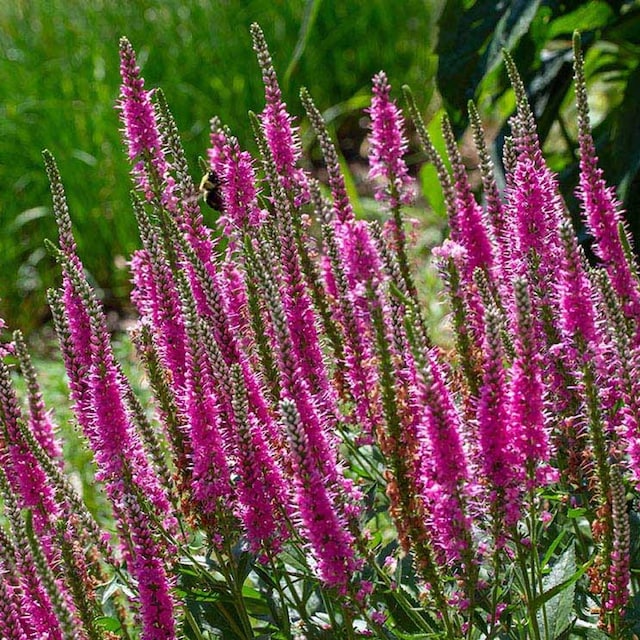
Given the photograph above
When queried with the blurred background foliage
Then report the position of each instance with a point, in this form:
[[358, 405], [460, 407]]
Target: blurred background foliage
[[59, 84]]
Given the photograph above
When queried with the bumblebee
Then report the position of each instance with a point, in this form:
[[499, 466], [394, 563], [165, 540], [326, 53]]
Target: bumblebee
[[210, 187]]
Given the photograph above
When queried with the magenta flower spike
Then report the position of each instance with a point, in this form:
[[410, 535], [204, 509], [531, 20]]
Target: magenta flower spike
[[11, 610], [445, 470], [530, 431], [143, 288], [119, 452], [599, 204], [157, 299], [239, 190], [331, 542], [471, 228], [142, 137], [36, 603], [277, 124], [216, 153], [388, 145], [361, 366], [22, 552], [535, 211], [494, 207], [156, 601], [361, 261], [533, 202], [320, 439], [40, 420], [27, 478], [263, 494], [296, 300], [233, 292], [576, 297], [70, 316], [303, 330], [211, 474], [498, 461], [74, 335], [622, 369]]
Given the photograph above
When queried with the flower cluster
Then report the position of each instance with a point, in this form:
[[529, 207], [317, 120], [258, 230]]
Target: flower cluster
[[314, 460]]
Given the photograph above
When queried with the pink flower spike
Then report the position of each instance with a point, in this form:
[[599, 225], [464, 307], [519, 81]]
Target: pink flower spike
[[141, 129], [470, 228], [282, 137], [445, 469], [600, 206], [11, 611], [388, 145], [263, 493], [156, 601], [497, 451], [331, 542], [239, 191], [576, 300], [526, 392], [27, 479]]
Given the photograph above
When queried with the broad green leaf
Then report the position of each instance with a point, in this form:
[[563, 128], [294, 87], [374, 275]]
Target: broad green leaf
[[592, 15], [471, 42], [108, 623], [555, 614], [513, 24], [632, 614]]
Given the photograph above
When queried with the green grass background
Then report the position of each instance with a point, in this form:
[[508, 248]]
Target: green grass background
[[59, 83]]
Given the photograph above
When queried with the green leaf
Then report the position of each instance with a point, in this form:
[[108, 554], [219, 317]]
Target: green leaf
[[555, 606], [632, 614], [108, 623], [112, 587], [471, 42], [513, 24], [308, 20], [552, 547], [592, 15]]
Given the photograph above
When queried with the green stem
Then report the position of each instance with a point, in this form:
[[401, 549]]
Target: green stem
[[400, 598], [536, 570], [193, 624], [233, 580]]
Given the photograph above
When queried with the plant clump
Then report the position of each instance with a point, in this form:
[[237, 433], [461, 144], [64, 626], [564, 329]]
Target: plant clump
[[314, 465]]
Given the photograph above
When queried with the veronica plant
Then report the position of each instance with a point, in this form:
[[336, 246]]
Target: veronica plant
[[312, 465]]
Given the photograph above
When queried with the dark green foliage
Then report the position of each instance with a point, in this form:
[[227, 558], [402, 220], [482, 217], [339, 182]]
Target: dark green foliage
[[538, 35]]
